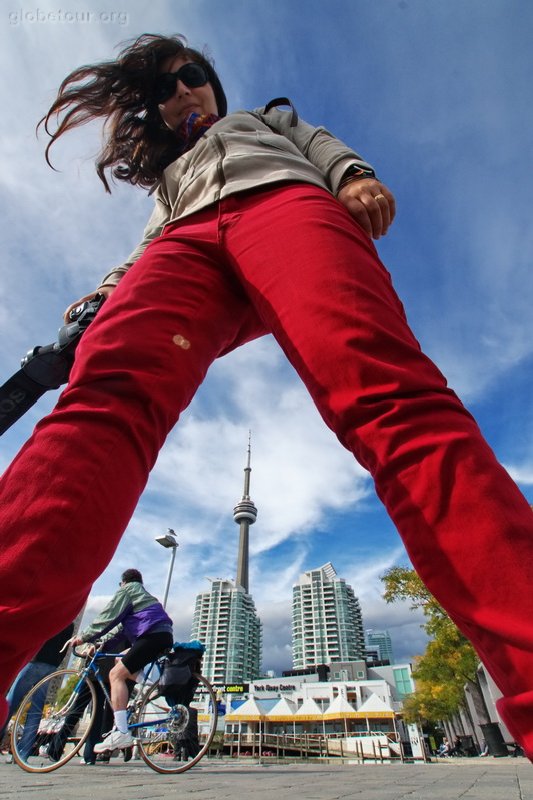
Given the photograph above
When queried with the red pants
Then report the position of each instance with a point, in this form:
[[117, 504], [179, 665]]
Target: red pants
[[290, 261]]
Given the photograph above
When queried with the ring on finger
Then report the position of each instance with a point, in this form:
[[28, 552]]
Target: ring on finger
[[379, 196]]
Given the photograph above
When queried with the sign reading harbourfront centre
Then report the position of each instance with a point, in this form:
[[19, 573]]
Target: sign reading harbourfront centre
[[235, 688], [245, 688]]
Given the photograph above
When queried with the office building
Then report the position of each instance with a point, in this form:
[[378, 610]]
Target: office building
[[379, 642], [327, 624], [226, 622]]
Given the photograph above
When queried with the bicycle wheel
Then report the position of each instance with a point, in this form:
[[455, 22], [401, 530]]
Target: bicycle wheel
[[174, 738], [53, 721]]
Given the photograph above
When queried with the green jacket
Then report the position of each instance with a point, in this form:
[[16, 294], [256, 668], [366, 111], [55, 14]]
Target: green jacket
[[134, 611]]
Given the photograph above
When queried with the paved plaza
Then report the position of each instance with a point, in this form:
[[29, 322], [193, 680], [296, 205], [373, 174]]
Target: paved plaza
[[457, 779]]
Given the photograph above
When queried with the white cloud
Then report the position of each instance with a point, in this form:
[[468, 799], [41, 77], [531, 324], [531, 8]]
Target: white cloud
[[521, 473]]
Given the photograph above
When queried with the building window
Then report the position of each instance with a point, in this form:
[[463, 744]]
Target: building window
[[403, 681]]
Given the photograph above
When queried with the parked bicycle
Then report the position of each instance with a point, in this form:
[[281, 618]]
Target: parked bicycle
[[172, 718]]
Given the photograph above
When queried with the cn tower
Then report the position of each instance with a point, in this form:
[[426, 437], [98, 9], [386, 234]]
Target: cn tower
[[244, 514]]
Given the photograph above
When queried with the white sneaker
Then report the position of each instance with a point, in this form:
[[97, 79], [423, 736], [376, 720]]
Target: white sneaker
[[115, 741]]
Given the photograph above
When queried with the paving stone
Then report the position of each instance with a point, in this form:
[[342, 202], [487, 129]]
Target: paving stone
[[468, 779]]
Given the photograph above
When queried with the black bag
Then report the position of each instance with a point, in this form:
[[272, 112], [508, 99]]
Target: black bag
[[177, 683]]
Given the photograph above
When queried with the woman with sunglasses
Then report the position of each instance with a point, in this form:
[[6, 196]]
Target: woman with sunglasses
[[262, 224]]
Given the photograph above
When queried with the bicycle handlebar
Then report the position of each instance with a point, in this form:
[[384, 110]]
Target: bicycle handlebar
[[78, 654], [96, 654]]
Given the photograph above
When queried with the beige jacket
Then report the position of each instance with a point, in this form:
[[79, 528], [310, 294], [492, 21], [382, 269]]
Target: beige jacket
[[243, 151]]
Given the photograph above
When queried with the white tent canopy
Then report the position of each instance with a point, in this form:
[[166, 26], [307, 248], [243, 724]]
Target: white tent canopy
[[374, 706], [309, 710], [339, 709], [283, 710], [248, 712]]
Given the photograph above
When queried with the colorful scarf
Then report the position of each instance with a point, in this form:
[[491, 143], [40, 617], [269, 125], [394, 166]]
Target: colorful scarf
[[193, 128]]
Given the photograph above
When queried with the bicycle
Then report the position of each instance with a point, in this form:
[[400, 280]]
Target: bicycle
[[173, 727]]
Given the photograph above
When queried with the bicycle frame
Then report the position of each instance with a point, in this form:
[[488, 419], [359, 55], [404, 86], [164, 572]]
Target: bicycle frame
[[93, 669]]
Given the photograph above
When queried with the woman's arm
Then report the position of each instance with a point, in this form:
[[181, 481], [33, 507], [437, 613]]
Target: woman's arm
[[159, 217], [328, 154], [333, 158]]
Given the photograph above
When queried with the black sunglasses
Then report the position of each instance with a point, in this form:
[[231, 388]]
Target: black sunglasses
[[192, 75]]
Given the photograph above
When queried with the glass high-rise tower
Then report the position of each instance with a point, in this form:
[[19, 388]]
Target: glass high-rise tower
[[327, 623], [381, 642], [226, 622]]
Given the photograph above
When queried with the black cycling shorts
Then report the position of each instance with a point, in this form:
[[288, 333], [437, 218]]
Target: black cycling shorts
[[146, 649]]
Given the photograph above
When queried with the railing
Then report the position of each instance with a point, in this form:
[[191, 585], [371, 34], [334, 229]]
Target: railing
[[316, 745]]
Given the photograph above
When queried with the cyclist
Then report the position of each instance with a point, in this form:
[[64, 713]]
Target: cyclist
[[139, 617]]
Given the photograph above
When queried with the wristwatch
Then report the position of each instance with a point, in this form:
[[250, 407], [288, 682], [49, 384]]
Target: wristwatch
[[355, 171]]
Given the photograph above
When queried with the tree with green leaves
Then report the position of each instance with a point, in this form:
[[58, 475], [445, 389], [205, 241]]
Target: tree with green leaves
[[449, 661]]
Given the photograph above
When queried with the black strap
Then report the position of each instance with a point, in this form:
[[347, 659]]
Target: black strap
[[283, 101], [19, 393], [44, 368], [17, 396]]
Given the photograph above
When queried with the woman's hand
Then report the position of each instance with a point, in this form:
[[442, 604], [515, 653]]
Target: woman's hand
[[104, 290], [371, 204]]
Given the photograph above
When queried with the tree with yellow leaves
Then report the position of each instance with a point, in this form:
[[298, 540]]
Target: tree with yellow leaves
[[449, 661]]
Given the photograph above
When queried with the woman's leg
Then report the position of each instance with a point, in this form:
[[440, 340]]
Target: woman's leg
[[68, 496], [317, 282]]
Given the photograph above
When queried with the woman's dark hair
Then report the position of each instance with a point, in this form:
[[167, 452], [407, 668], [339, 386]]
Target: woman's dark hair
[[131, 576], [137, 144]]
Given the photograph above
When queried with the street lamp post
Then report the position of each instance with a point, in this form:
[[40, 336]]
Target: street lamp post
[[168, 540]]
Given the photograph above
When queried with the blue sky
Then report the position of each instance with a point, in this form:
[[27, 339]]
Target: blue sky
[[438, 97]]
